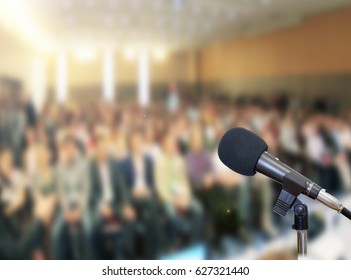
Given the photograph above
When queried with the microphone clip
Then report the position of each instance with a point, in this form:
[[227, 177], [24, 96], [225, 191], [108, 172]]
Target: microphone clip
[[292, 188]]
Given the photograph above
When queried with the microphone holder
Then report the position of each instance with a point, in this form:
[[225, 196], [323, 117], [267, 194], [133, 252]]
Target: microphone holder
[[288, 200]]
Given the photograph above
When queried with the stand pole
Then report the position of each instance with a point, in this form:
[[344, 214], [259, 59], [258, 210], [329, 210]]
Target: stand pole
[[301, 244], [301, 227]]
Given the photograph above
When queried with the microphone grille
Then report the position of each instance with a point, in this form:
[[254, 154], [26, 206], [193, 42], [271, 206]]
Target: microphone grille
[[240, 149]]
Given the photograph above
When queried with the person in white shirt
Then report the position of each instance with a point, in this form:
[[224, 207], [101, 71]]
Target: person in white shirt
[[172, 185]]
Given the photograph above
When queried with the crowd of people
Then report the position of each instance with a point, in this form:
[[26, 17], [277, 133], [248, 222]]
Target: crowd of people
[[118, 181]]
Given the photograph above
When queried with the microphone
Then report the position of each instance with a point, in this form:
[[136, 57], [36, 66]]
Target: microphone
[[246, 153]]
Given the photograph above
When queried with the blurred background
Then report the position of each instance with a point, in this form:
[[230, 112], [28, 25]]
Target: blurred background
[[111, 112]]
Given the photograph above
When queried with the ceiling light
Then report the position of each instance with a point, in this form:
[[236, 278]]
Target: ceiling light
[[84, 54]]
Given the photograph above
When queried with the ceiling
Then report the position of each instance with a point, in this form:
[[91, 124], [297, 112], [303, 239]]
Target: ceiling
[[171, 24]]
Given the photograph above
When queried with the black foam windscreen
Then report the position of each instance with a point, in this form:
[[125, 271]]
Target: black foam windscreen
[[240, 149]]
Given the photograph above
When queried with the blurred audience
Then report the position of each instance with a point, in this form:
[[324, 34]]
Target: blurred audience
[[115, 181]]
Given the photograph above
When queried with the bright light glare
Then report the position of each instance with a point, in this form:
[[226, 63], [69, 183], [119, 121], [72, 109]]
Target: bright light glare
[[108, 76], [61, 78], [144, 79], [17, 17], [85, 54], [129, 54], [159, 54]]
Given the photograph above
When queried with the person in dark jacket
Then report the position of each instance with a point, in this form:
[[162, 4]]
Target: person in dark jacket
[[139, 174], [110, 203]]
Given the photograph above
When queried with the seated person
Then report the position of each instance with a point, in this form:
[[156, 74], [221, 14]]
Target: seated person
[[12, 186], [200, 173], [109, 202], [18, 241], [184, 213], [43, 188], [72, 231], [138, 171], [198, 164]]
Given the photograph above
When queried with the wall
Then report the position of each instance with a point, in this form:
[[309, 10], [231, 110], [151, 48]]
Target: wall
[[319, 45], [312, 56]]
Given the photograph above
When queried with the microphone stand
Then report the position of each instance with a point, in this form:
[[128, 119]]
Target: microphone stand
[[301, 227], [288, 200]]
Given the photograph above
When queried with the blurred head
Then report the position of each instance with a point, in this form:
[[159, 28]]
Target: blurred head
[[169, 144], [136, 142], [149, 134], [69, 149], [6, 161], [101, 149], [30, 136], [196, 142], [43, 156], [172, 86]]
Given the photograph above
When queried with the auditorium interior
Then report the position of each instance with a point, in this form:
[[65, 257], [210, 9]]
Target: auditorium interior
[[111, 113]]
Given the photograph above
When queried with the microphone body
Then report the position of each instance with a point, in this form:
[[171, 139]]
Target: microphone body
[[273, 168]]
